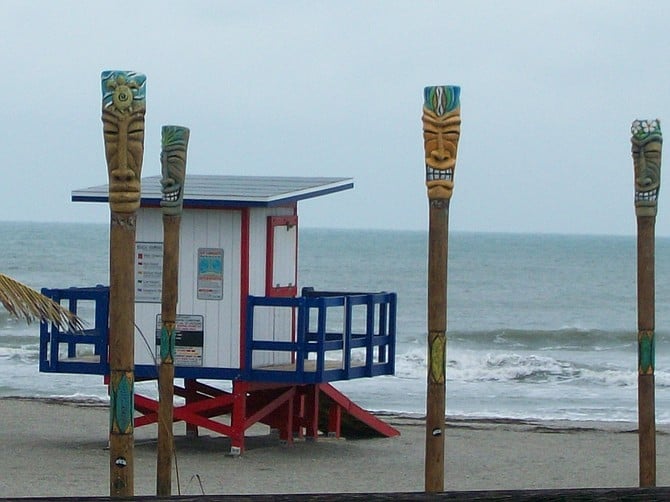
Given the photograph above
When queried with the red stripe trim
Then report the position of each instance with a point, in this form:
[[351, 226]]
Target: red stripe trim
[[244, 280]]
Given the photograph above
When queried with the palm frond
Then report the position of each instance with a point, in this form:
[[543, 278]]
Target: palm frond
[[26, 303]]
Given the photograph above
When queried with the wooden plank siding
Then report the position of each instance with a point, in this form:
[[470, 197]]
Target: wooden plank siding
[[200, 229], [216, 229], [270, 324]]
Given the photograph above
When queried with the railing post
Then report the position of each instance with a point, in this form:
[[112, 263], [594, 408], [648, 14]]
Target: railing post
[[392, 330], [45, 337], [249, 338], [303, 324], [71, 346], [369, 334], [54, 342], [383, 328], [321, 338], [348, 309]]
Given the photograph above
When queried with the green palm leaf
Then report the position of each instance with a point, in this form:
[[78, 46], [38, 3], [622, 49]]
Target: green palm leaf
[[26, 303]]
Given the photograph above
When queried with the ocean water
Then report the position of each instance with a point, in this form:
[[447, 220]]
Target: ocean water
[[539, 326]]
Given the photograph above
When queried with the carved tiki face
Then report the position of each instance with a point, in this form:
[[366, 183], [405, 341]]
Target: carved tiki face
[[174, 141], [647, 142], [123, 108], [441, 131]]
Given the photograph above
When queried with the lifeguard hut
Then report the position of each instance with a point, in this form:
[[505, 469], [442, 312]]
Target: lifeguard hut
[[240, 319]]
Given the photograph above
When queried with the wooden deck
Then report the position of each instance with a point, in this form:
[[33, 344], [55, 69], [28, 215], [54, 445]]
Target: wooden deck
[[87, 358], [310, 366]]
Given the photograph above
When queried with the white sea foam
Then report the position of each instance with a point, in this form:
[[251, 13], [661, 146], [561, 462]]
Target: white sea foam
[[539, 326]]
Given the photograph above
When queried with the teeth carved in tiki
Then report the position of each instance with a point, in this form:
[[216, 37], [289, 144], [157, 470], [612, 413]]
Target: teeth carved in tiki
[[647, 143], [174, 141], [441, 132]]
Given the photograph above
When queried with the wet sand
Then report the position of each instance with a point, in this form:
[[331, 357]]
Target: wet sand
[[60, 449]]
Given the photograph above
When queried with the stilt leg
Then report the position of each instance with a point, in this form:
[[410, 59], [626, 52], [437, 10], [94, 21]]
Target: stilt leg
[[334, 421], [311, 412], [191, 397], [238, 417]]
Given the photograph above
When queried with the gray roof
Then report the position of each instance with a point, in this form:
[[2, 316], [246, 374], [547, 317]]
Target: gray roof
[[230, 191]]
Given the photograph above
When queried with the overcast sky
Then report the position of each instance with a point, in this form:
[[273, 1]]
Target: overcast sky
[[310, 88]]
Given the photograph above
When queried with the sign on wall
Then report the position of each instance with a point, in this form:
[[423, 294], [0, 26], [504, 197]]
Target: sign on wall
[[189, 339], [210, 274], [148, 272]]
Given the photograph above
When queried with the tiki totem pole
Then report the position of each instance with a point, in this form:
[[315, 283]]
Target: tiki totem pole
[[647, 142], [441, 131], [123, 108], [173, 165]]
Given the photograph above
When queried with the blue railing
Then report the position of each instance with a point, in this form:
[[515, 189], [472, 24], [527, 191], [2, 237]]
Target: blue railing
[[357, 329], [322, 337], [86, 350]]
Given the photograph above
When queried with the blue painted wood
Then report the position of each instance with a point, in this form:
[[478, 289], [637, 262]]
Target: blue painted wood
[[51, 337], [301, 339], [320, 339], [251, 304], [393, 305], [378, 339], [150, 372]]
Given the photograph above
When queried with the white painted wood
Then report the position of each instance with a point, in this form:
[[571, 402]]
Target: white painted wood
[[220, 229], [284, 259], [199, 229], [149, 229], [269, 323], [219, 226]]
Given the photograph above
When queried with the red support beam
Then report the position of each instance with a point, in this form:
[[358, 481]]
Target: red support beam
[[292, 409]]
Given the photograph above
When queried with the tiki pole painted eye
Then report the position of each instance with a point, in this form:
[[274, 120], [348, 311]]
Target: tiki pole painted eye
[[123, 109], [122, 97]]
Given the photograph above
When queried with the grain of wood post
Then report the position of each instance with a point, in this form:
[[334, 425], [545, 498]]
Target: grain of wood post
[[441, 132], [123, 110], [647, 142]]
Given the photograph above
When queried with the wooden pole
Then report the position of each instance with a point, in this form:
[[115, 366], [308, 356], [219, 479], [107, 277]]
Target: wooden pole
[[441, 132], [646, 379], [173, 166], [646, 149], [123, 109]]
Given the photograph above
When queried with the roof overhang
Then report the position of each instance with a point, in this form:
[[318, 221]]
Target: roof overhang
[[212, 191]]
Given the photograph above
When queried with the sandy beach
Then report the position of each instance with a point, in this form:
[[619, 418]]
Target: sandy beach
[[59, 449]]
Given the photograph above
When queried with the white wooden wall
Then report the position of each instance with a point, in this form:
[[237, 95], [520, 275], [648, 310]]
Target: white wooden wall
[[199, 229], [215, 229], [269, 323]]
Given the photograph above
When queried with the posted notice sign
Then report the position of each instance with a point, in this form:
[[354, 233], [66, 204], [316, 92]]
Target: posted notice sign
[[148, 272], [189, 339], [210, 274]]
